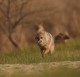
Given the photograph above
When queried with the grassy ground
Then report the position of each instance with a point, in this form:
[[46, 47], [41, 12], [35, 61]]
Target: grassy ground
[[65, 62], [63, 52]]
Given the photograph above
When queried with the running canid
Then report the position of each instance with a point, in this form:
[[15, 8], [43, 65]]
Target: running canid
[[45, 40]]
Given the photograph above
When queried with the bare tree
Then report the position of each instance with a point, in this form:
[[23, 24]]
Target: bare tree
[[13, 14]]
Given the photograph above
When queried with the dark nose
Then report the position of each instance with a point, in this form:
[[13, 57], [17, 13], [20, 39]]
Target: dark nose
[[37, 38]]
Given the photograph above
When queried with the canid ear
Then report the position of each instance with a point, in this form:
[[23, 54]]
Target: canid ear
[[36, 25], [39, 27]]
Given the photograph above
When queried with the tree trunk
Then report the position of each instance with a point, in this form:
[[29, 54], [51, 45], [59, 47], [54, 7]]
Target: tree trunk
[[13, 42]]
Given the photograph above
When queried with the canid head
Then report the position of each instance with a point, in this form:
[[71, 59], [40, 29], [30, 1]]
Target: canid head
[[40, 35]]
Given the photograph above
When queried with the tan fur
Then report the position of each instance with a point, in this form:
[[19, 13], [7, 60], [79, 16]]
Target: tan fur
[[62, 38], [44, 40]]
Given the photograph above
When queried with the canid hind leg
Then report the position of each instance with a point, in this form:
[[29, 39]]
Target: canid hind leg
[[52, 50]]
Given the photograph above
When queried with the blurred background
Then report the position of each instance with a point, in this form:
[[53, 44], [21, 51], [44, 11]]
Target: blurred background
[[17, 19]]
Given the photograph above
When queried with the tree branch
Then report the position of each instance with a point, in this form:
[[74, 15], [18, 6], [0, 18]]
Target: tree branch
[[23, 5], [30, 13]]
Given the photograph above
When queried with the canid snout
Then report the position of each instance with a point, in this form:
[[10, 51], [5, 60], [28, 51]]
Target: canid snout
[[39, 38], [40, 41]]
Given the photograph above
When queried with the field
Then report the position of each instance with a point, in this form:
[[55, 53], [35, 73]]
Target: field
[[27, 62], [63, 52]]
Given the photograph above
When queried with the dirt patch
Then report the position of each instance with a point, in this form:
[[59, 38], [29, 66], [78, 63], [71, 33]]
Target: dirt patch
[[37, 68]]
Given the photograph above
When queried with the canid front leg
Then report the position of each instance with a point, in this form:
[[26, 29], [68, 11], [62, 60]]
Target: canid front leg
[[44, 52]]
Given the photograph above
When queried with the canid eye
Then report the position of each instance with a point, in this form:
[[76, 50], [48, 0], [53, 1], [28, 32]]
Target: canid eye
[[41, 37]]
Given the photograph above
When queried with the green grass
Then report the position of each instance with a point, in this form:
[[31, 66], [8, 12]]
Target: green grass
[[63, 52]]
